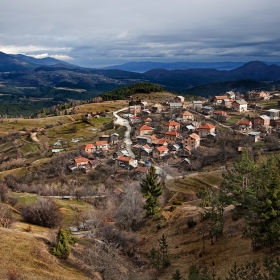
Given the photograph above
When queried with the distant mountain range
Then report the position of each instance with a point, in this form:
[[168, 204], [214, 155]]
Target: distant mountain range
[[49, 72], [19, 62], [145, 66], [182, 79]]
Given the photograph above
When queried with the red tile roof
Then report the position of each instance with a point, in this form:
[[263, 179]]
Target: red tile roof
[[188, 148], [162, 141], [207, 126], [194, 136], [123, 158], [99, 143], [87, 146], [221, 97], [173, 133], [244, 122], [145, 127], [80, 159], [162, 149], [171, 123]]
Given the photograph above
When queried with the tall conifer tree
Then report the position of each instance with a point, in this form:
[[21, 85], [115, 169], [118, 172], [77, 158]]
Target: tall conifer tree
[[151, 190]]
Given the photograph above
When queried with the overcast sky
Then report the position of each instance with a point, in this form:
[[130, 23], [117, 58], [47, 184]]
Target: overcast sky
[[95, 33]]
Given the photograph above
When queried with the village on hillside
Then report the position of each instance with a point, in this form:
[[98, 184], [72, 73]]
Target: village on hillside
[[182, 136]]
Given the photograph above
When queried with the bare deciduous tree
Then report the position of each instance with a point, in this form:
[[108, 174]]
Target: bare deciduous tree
[[105, 258], [6, 217], [131, 213]]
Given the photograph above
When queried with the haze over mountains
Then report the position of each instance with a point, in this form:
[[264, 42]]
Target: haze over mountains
[[29, 71]]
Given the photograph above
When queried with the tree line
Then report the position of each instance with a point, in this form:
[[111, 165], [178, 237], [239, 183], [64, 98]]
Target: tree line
[[125, 92]]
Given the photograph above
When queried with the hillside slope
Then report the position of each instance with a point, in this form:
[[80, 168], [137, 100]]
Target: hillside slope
[[28, 255]]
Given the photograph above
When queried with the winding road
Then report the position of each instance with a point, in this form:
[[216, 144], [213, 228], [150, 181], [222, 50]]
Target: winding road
[[124, 122]]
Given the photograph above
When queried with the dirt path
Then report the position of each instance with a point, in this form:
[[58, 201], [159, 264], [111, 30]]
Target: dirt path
[[33, 136]]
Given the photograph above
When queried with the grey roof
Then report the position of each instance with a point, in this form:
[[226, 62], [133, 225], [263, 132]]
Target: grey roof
[[254, 133], [187, 160], [241, 102], [212, 134], [264, 117], [190, 126], [176, 146], [208, 108], [273, 110], [175, 104]]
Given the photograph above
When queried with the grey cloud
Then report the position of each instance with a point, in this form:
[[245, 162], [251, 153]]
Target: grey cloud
[[97, 33]]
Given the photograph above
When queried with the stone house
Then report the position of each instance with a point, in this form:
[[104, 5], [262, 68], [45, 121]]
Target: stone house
[[218, 99], [197, 105], [205, 129], [187, 116], [102, 145], [262, 121], [171, 126], [239, 105], [192, 141], [88, 149], [273, 114], [220, 115], [244, 125], [160, 152], [145, 130], [81, 161], [171, 136]]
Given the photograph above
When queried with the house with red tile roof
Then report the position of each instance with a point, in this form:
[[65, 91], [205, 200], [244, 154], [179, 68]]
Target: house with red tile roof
[[102, 145], [160, 152], [171, 126], [145, 130], [81, 161], [220, 115], [192, 141], [219, 99], [244, 124], [205, 129], [171, 135], [88, 149]]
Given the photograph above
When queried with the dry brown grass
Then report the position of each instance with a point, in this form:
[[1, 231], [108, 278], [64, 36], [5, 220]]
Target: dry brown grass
[[185, 244], [29, 255], [195, 181]]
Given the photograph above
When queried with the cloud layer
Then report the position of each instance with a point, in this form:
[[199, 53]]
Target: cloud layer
[[100, 33]]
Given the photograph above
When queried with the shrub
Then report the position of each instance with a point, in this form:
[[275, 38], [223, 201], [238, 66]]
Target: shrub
[[172, 208], [177, 202], [44, 212], [191, 222]]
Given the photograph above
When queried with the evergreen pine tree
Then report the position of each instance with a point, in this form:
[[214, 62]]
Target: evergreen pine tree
[[163, 250], [151, 190], [263, 217], [238, 180]]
